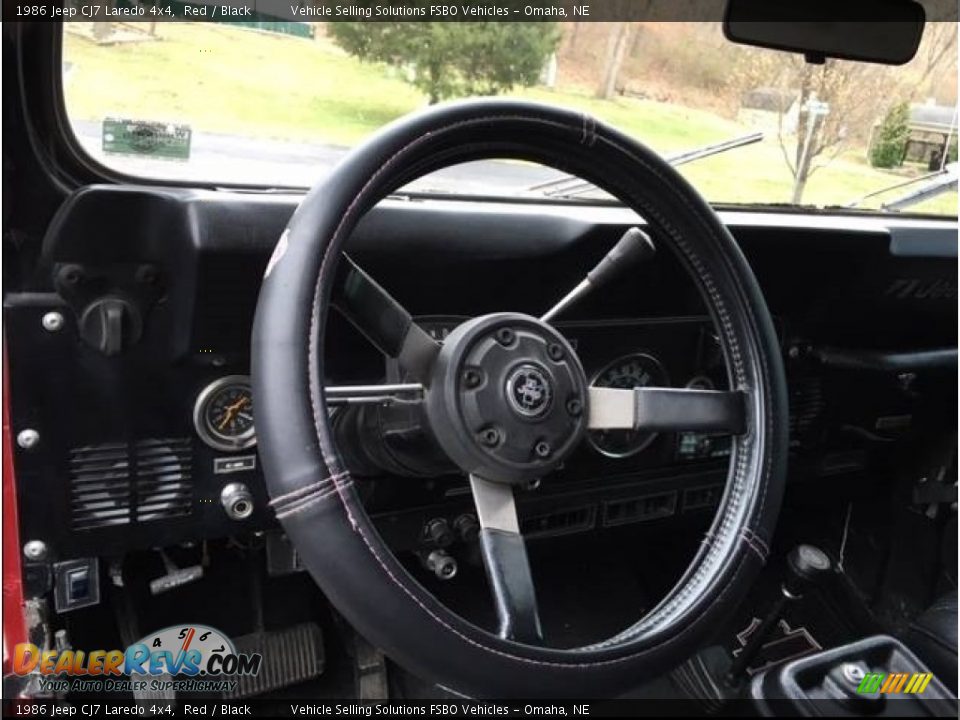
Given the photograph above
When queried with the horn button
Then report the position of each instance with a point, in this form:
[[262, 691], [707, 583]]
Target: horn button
[[508, 398]]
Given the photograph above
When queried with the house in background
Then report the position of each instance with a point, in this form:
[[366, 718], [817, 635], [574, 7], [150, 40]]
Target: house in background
[[770, 109], [933, 131]]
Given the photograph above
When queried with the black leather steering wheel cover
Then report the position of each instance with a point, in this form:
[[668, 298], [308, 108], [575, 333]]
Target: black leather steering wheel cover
[[315, 498]]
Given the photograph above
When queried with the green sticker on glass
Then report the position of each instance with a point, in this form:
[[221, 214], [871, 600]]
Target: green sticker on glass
[[146, 138]]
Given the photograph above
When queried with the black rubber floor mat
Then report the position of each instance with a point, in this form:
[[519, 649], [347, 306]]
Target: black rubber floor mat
[[290, 656]]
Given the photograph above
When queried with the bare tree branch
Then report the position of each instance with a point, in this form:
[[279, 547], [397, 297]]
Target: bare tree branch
[[836, 153]]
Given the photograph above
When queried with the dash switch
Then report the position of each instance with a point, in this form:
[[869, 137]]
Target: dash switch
[[76, 584]]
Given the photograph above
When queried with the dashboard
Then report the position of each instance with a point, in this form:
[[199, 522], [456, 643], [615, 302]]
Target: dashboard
[[145, 422]]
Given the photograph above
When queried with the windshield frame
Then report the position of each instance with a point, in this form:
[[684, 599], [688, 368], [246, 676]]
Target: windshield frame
[[84, 169]]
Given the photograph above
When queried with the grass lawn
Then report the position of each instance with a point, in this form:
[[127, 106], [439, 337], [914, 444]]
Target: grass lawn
[[225, 79]]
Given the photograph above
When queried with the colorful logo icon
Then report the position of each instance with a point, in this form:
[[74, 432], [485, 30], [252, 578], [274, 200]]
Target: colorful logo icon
[[894, 683], [186, 650]]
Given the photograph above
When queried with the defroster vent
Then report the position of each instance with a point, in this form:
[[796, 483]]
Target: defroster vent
[[118, 483]]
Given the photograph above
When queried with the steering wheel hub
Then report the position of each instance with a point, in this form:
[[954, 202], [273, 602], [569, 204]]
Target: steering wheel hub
[[507, 397], [530, 390]]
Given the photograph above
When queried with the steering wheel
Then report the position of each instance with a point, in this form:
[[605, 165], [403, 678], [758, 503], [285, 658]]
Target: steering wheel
[[507, 400]]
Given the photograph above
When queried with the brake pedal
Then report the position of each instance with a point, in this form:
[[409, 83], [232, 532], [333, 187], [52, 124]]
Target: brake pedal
[[290, 656]]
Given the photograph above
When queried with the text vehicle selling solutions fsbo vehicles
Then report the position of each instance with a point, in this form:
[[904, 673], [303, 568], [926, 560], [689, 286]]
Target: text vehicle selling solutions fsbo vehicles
[[489, 358]]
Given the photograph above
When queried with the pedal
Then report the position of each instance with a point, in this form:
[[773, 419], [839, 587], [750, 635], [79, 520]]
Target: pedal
[[175, 577], [370, 671], [156, 691], [702, 678], [290, 656], [282, 556]]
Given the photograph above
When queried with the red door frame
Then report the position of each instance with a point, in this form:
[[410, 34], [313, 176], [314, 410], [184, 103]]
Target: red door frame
[[14, 624]]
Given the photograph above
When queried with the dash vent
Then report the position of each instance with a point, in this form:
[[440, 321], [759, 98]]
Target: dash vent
[[806, 408], [164, 484], [707, 496], [641, 509], [118, 484], [561, 522], [100, 493]]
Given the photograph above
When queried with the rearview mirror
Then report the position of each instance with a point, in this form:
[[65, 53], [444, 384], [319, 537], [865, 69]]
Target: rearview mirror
[[881, 31]]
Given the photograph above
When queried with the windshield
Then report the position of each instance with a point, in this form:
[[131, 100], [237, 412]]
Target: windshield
[[276, 104]]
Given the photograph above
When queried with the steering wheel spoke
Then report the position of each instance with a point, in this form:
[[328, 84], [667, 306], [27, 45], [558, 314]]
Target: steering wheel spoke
[[383, 320], [387, 394], [667, 409], [505, 561]]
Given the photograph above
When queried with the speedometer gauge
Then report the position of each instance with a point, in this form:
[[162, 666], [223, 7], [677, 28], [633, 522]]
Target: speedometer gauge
[[628, 372]]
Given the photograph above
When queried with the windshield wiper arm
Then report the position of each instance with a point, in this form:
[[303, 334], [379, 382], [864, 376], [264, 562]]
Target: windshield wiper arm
[[688, 156], [932, 189], [570, 186], [935, 183]]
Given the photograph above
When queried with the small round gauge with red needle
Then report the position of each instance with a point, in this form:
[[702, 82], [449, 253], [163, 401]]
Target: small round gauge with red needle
[[223, 414]]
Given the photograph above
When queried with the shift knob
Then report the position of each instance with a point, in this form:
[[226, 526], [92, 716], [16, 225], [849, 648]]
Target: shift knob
[[806, 565]]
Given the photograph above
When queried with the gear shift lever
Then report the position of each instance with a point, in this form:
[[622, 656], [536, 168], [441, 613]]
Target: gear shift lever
[[807, 566]]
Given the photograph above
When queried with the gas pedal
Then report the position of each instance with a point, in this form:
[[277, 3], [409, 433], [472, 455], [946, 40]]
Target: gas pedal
[[290, 656], [161, 692], [701, 678]]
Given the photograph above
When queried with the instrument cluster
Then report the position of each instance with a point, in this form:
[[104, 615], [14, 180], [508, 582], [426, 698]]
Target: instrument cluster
[[678, 352]]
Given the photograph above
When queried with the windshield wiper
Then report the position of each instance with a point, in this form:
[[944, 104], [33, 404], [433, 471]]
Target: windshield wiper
[[571, 186], [934, 184]]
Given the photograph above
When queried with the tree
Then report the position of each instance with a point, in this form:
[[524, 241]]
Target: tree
[[855, 93], [450, 59], [616, 52], [890, 143], [937, 49]]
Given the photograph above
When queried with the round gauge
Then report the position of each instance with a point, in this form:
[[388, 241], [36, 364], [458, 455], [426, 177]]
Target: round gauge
[[700, 382], [630, 371], [223, 414]]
